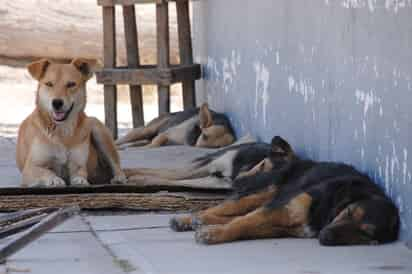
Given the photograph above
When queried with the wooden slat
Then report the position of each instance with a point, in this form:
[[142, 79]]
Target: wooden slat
[[134, 76], [132, 49], [132, 2], [48, 223], [15, 222], [110, 108], [5, 219], [109, 52], [147, 195], [185, 51], [149, 75], [210, 183], [163, 51], [168, 201], [98, 189], [185, 72], [20, 225]]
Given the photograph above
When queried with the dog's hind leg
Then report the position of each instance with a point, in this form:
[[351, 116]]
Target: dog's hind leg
[[146, 132], [223, 213], [106, 150], [158, 141], [264, 222], [139, 143], [137, 134], [199, 183], [190, 172]]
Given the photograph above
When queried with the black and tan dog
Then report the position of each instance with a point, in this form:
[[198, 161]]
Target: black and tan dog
[[199, 127], [217, 169], [299, 198]]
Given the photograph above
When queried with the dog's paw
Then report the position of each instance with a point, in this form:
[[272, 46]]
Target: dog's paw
[[196, 223], [79, 181], [119, 179], [209, 235], [180, 224], [52, 181]]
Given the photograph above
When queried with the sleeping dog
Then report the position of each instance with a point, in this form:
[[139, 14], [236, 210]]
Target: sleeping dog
[[299, 198], [199, 127], [218, 168]]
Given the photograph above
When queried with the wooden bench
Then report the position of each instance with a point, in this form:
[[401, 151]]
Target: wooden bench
[[135, 75]]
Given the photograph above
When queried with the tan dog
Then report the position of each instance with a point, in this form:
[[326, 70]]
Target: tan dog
[[58, 144]]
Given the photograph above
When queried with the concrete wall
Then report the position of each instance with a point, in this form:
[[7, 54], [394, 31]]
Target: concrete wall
[[333, 77]]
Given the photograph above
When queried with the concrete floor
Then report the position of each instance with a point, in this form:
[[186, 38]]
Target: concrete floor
[[143, 243]]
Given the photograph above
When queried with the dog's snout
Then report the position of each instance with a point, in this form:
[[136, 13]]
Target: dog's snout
[[57, 104]]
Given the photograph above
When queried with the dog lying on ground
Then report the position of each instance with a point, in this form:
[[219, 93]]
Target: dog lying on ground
[[299, 198], [58, 144], [217, 169], [199, 127]]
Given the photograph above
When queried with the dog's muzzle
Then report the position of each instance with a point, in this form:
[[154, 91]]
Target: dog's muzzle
[[61, 116]]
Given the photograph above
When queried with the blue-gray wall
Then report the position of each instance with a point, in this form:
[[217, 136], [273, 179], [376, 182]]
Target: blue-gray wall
[[333, 77]]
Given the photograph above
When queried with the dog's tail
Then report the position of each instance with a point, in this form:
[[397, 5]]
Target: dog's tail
[[209, 182], [170, 174]]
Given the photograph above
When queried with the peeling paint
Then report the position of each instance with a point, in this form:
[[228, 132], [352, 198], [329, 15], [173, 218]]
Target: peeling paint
[[262, 86], [396, 5], [277, 58], [367, 98], [303, 87], [355, 4], [405, 165], [372, 5], [227, 75]]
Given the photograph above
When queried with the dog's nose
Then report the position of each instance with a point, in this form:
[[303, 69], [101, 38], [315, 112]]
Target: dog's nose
[[57, 104]]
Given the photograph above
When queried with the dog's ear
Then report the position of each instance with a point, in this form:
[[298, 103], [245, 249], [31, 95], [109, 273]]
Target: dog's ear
[[280, 145], [86, 66], [260, 167], [38, 68], [205, 116]]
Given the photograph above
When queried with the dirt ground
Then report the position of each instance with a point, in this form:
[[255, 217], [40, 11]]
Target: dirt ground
[[18, 92]]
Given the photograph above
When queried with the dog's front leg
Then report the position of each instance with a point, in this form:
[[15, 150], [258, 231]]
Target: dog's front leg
[[35, 176], [106, 148], [158, 141], [79, 178]]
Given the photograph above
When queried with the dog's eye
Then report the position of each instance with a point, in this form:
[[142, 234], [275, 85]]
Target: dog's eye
[[49, 84], [70, 85]]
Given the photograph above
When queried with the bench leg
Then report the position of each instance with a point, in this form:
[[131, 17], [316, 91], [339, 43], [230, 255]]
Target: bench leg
[[185, 50], [133, 61]]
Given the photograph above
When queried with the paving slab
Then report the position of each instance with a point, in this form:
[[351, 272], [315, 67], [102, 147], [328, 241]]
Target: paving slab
[[118, 222], [74, 224], [70, 253], [164, 251]]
